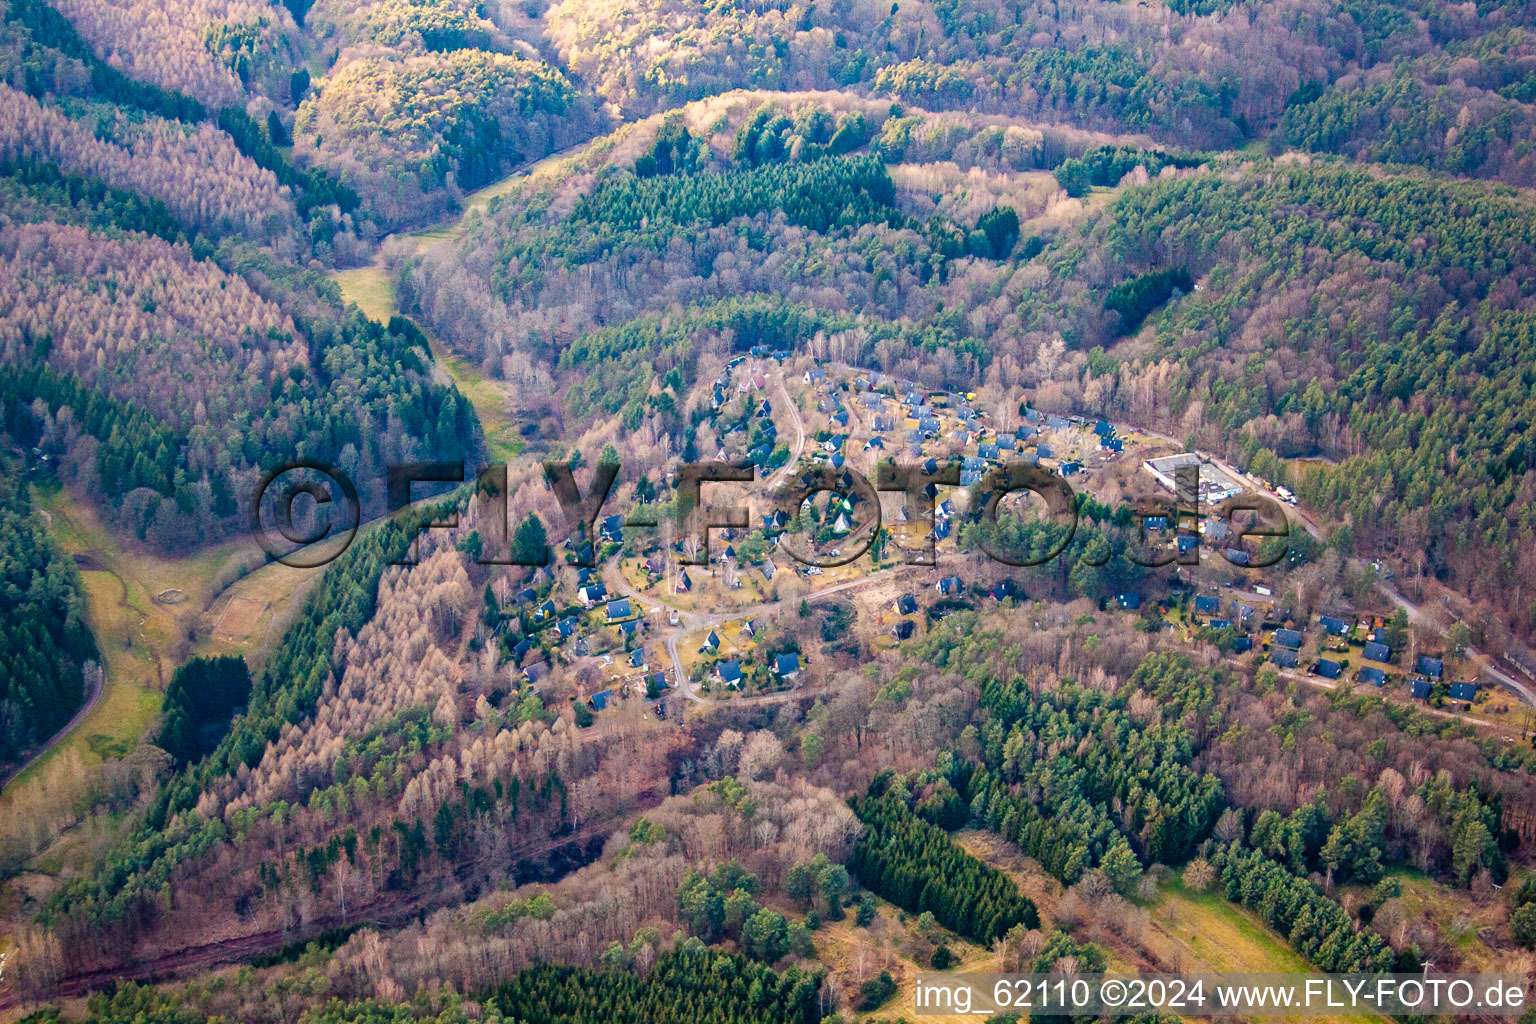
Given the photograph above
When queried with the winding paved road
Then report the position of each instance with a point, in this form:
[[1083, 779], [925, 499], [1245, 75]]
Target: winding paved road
[[1509, 682], [1523, 691]]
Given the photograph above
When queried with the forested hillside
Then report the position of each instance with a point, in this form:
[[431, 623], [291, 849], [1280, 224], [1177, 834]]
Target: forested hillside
[[89, 117], [401, 130], [213, 51], [1284, 800], [441, 26], [226, 376], [1415, 290], [1416, 294], [159, 342], [1464, 110], [198, 174], [1125, 795], [787, 202], [626, 775], [1208, 73], [1381, 322]]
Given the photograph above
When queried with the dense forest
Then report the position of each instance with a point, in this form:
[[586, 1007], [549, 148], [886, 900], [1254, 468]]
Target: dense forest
[[68, 105], [47, 644], [1465, 110], [202, 697], [1211, 73], [784, 204], [684, 985], [441, 26], [1097, 782], [219, 375], [915, 865], [688, 983], [401, 130], [1402, 362]]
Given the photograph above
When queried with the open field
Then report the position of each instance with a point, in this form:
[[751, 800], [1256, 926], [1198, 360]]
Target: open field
[[143, 609], [239, 618], [1204, 932], [247, 618], [370, 288]]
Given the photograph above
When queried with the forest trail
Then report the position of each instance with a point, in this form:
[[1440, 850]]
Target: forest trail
[[794, 417]]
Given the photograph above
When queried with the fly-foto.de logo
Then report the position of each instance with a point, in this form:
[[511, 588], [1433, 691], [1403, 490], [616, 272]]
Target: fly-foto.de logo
[[307, 513]]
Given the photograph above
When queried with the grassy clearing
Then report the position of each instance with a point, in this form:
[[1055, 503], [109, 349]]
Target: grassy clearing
[[1202, 932], [709, 593], [492, 403], [973, 960], [370, 288], [1192, 932], [249, 616], [273, 594]]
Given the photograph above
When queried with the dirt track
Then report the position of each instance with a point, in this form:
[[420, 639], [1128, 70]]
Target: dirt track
[[397, 909]]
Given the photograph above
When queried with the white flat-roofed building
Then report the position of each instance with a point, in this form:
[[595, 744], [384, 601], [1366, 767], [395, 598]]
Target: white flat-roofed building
[[1215, 484]]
